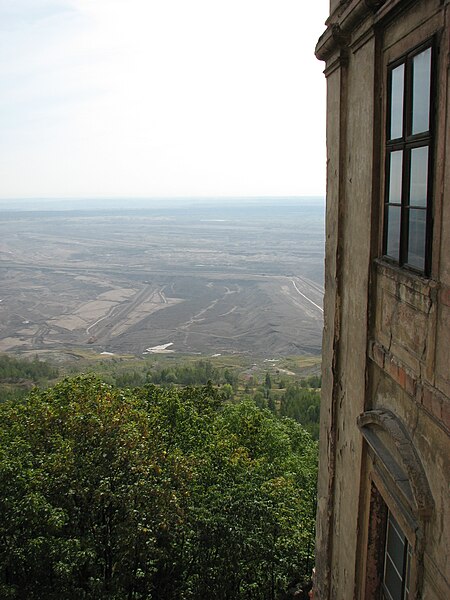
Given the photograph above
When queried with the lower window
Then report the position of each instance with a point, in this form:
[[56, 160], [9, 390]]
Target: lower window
[[397, 562]]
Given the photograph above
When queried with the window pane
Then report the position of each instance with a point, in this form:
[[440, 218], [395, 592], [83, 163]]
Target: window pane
[[416, 241], [395, 547], [419, 177], [392, 581], [397, 90], [394, 560], [393, 232], [395, 177], [408, 572], [421, 91]]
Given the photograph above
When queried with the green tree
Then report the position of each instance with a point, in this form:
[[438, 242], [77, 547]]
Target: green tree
[[303, 405], [155, 493], [227, 391], [260, 399], [271, 403]]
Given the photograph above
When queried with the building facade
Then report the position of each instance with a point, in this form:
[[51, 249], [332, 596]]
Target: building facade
[[383, 517]]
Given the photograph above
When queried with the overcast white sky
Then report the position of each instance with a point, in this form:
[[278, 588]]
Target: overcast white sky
[[161, 98]]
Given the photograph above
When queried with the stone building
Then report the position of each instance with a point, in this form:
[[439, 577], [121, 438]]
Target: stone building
[[383, 517]]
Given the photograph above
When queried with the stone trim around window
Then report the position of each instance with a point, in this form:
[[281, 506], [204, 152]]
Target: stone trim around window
[[402, 469]]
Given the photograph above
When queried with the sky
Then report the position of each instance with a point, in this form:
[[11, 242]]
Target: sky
[[146, 98]]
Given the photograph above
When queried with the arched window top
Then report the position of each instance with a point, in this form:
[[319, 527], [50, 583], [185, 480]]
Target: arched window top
[[392, 444]]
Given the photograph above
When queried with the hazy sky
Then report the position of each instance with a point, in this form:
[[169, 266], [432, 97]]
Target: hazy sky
[[161, 97]]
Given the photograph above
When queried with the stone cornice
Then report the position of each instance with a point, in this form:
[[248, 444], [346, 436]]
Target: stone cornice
[[341, 23]]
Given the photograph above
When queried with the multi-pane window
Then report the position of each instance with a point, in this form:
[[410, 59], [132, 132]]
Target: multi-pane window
[[407, 211], [397, 562]]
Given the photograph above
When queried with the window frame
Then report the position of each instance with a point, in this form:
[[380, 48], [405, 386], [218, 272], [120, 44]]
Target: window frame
[[391, 462], [392, 523], [381, 503], [406, 144]]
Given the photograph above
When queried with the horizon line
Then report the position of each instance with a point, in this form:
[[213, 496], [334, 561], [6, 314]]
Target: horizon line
[[164, 197]]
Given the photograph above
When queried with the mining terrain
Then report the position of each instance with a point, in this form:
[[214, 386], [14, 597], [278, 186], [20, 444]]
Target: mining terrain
[[213, 278]]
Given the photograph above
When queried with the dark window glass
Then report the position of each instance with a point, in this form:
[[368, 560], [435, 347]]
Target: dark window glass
[[395, 544], [395, 177], [418, 187], [421, 92], [397, 558], [417, 238], [392, 581], [407, 230], [408, 571], [393, 232], [397, 89]]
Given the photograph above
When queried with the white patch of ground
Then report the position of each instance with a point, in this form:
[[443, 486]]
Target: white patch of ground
[[161, 349], [286, 371]]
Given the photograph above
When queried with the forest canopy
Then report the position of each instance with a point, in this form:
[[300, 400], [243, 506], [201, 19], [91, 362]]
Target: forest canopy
[[155, 493]]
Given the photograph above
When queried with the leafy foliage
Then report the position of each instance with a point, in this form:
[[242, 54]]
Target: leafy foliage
[[313, 381], [155, 493], [198, 373], [15, 368], [18, 375], [303, 405]]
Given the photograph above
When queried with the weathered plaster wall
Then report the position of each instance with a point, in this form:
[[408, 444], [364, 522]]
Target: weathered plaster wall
[[355, 233], [349, 202], [386, 340], [431, 442], [330, 337], [443, 314]]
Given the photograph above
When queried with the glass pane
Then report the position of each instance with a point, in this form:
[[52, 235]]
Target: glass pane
[[421, 91], [393, 232], [419, 177], [392, 581], [416, 241], [394, 560], [395, 177], [408, 572], [397, 89], [395, 548]]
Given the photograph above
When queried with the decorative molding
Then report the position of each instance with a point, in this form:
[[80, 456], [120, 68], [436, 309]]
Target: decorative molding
[[341, 24], [333, 40], [409, 474], [374, 4]]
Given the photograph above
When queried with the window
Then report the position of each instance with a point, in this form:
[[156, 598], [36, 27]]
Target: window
[[399, 505], [407, 210], [390, 561], [397, 562]]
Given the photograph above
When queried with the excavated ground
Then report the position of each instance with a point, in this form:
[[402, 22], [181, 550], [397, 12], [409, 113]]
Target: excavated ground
[[206, 279]]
